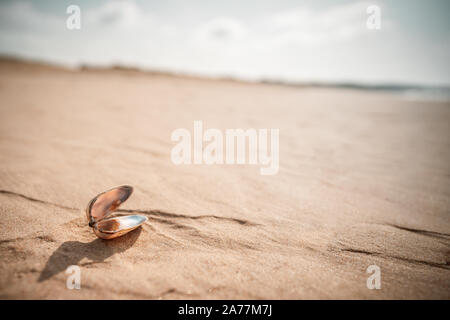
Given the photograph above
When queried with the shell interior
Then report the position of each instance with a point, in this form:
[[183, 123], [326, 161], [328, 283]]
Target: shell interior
[[107, 202], [117, 224]]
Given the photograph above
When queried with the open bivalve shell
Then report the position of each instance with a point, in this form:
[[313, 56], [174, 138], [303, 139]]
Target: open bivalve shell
[[103, 205]]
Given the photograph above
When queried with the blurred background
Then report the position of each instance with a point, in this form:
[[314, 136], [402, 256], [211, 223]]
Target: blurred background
[[291, 41]]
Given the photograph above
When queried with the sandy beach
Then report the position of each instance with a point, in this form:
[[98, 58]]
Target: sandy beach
[[364, 179]]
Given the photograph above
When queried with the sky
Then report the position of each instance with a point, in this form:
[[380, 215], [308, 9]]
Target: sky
[[284, 40]]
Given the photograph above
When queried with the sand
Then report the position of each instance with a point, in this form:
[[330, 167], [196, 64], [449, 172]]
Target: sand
[[364, 180]]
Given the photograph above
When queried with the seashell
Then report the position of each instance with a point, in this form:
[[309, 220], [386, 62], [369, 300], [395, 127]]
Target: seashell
[[103, 205]]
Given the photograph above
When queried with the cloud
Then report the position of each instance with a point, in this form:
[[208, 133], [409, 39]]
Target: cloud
[[116, 19], [121, 14], [302, 26], [298, 27], [221, 29]]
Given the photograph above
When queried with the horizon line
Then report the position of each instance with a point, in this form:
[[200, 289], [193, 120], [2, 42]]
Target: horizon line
[[118, 66]]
